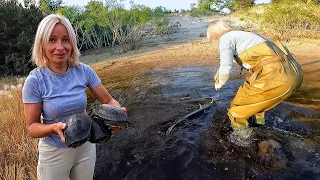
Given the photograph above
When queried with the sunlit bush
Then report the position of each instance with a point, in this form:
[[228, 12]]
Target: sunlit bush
[[285, 20]]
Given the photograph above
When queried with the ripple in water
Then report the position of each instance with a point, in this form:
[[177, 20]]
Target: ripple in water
[[197, 147]]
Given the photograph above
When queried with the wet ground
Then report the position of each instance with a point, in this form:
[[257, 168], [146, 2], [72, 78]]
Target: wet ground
[[179, 130]]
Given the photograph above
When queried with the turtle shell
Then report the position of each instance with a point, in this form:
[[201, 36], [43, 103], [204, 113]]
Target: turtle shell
[[78, 130], [110, 115], [100, 132]]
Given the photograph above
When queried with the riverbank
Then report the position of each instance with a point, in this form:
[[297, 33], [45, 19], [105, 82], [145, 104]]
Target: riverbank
[[189, 48]]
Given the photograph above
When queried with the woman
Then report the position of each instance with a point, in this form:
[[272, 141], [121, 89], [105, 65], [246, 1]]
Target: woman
[[52, 92], [275, 73]]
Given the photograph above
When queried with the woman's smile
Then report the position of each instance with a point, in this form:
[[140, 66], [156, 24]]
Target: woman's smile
[[59, 48]]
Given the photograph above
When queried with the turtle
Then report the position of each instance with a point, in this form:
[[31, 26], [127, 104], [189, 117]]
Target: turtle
[[78, 129], [100, 132], [204, 105], [109, 116]]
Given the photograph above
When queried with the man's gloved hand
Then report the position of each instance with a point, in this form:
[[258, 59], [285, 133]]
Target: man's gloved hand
[[220, 80], [217, 86], [216, 76]]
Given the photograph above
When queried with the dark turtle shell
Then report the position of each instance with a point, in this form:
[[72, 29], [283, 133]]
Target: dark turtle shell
[[78, 129], [110, 115], [100, 132]]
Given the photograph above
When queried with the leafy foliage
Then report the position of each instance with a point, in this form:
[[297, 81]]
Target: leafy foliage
[[162, 10], [101, 24], [50, 6], [241, 4], [18, 25], [295, 20], [297, 1], [282, 20], [206, 7], [96, 25]]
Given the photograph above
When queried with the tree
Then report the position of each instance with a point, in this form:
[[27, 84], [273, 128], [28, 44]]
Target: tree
[[291, 1], [240, 4], [95, 24], [75, 15], [18, 27], [50, 6], [207, 6], [136, 27], [204, 5], [219, 5]]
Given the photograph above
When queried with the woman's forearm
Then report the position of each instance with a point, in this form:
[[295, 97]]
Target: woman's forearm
[[113, 102], [39, 130]]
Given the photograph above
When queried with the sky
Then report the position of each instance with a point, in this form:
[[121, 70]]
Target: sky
[[169, 4]]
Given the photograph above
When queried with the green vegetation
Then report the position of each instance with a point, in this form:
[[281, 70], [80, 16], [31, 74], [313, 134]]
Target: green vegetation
[[284, 20], [96, 26], [18, 26], [209, 7], [100, 25]]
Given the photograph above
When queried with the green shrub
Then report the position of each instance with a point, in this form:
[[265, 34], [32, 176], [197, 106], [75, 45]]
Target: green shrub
[[293, 20], [18, 26], [285, 20]]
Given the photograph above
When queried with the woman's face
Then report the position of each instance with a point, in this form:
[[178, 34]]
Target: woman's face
[[58, 49]]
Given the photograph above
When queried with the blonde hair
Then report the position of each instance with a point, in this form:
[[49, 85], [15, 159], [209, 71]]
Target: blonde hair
[[43, 34], [219, 28]]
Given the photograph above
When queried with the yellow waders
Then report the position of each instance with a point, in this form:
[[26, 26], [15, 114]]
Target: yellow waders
[[271, 82]]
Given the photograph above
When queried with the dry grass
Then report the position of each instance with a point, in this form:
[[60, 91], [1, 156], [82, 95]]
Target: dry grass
[[18, 152], [284, 20]]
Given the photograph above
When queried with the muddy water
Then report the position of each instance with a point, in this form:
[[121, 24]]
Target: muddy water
[[172, 137]]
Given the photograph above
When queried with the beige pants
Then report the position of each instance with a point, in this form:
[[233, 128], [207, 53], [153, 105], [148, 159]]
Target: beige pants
[[63, 163]]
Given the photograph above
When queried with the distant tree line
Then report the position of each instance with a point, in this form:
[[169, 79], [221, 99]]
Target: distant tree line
[[203, 7], [217, 6], [96, 25], [317, 2], [18, 25]]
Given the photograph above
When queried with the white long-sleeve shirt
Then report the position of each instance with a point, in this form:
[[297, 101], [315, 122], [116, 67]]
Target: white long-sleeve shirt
[[230, 45]]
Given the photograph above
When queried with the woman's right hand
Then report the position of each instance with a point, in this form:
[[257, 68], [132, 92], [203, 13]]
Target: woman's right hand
[[58, 127]]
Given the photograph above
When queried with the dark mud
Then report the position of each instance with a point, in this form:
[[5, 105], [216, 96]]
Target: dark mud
[[197, 147]]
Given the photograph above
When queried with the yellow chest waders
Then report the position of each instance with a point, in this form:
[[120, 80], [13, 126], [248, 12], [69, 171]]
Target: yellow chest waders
[[275, 75]]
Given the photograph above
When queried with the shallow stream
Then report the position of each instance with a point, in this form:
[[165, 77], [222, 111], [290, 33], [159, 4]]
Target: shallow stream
[[179, 130]]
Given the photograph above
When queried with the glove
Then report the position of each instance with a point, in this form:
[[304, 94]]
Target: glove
[[217, 86], [216, 77], [220, 80]]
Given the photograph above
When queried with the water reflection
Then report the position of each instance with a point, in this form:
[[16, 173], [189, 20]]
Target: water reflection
[[197, 146]]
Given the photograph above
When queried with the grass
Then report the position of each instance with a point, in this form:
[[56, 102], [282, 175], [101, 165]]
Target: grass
[[18, 152], [284, 20]]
